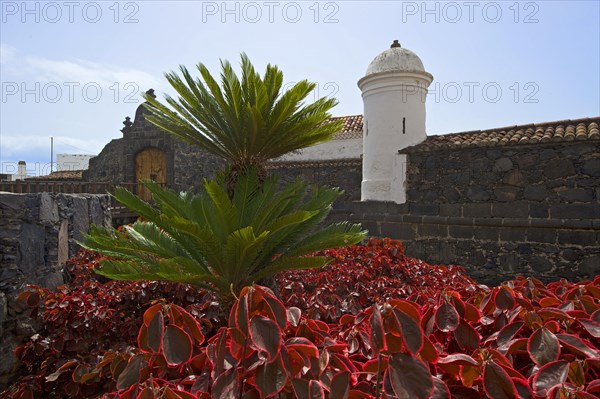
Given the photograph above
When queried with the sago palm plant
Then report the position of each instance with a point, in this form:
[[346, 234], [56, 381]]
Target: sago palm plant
[[242, 228], [245, 121], [213, 241]]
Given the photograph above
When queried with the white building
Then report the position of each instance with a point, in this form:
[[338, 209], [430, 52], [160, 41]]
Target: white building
[[394, 90], [65, 162]]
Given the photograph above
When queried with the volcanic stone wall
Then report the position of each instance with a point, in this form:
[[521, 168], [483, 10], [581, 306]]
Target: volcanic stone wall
[[344, 174], [531, 209], [528, 209], [38, 233]]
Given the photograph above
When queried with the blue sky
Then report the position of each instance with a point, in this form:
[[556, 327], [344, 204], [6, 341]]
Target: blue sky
[[74, 70]]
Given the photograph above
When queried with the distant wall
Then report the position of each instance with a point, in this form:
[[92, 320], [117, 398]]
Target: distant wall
[[345, 174], [529, 210], [38, 233]]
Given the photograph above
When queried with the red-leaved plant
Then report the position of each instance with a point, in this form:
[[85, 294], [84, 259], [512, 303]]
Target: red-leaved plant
[[522, 339]]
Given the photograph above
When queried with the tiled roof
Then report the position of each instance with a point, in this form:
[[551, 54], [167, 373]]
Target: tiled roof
[[547, 132], [560, 131], [60, 175], [353, 127]]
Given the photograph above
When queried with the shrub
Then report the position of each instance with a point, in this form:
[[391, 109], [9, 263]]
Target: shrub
[[522, 339], [219, 243], [360, 276]]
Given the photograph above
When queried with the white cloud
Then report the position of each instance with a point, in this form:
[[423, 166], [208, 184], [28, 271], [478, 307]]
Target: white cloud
[[83, 72], [12, 146], [7, 53]]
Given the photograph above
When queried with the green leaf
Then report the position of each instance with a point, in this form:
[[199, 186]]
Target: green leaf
[[177, 345]]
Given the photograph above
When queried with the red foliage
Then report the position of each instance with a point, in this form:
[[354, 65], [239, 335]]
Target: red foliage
[[359, 276], [84, 319], [523, 339]]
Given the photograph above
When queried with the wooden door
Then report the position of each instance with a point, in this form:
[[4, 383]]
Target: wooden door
[[150, 164]]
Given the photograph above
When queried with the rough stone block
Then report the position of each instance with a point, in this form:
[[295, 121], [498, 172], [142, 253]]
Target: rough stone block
[[526, 161], [589, 266], [547, 154], [515, 178], [548, 248], [3, 311], [515, 222], [577, 195], [477, 258], [559, 168], [510, 210], [461, 232], [541, 235], [63, 243], [433, 230], [81, 222], [505, 194], [513, 234], [575, 211], [503, 165], [539, 211], [591, 167], [493, 153], [536, 193], [540, 264], [11, 201], [400, 231], [451, 194], [31, 249], [572, 254], [477, 210], [476, 193], [450, 209], [372, 227], [424, 209], [509, 262], [584, 238], [48, 208], [96, 211], [486, 233], [524, 249], [431, 196]]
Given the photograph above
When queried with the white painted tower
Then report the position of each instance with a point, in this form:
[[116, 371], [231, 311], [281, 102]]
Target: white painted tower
[[394, 90]]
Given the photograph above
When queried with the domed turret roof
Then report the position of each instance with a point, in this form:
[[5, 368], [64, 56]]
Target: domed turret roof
[[396, 59]]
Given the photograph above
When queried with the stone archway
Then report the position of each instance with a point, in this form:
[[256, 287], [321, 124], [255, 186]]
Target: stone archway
[[150, 163]]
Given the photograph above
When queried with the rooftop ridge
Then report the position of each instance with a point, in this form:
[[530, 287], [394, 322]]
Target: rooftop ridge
[[526, 126]]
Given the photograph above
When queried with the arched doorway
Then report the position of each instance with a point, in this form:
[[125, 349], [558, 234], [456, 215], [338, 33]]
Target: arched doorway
[[150, 163]]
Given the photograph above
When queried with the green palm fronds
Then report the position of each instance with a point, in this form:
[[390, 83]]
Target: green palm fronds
[[246, 121], [213, 241]]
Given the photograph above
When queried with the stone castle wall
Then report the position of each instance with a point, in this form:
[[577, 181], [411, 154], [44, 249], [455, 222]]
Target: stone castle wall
[[38, 233], [530, 210]]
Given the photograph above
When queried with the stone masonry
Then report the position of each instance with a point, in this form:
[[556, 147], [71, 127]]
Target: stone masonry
[[38, 233]]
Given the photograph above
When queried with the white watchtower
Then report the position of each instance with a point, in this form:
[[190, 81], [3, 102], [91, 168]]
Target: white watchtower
[[394, 90]]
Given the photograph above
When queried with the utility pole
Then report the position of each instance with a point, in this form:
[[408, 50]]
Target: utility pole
[[51, 152]]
